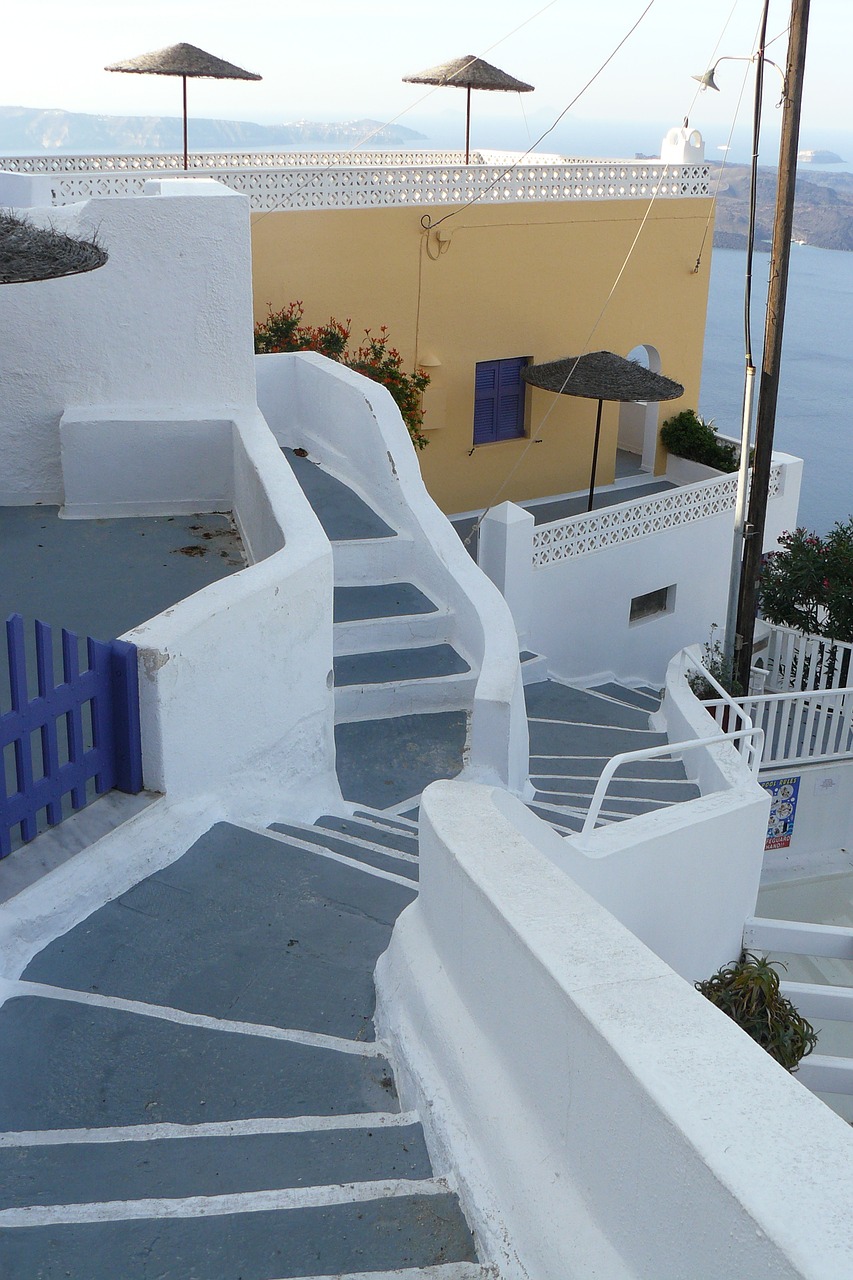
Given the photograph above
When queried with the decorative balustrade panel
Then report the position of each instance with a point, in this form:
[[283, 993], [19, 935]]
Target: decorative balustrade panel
[[630, 521], [352, 180]]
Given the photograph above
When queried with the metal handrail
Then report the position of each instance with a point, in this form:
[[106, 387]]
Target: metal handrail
[[649, 753]]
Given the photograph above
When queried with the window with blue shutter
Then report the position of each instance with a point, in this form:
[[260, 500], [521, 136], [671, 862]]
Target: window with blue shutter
[[499, 400]]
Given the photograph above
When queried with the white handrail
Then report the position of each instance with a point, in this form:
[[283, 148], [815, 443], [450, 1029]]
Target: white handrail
[[811, 725], [752, 756], [726, 699]]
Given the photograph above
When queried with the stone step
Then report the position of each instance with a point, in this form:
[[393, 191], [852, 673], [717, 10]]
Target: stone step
[[387, 666], [612, 806], [79, 1172], [568, 766], [380, 600], [220, 1240], [589, 740], [667, 792], [397, 823], [630, 697], [387, 859], [242, 927], [550, 700], [69, 1065], [382, 762], [405, 840], [342, 513]]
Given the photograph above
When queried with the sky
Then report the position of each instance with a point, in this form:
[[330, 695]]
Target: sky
[[344, 59]]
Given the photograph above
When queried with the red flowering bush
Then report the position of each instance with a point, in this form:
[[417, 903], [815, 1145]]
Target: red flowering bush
[[284, 331], [808, 585]]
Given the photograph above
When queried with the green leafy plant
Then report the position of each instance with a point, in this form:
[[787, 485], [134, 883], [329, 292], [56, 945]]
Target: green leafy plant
[[284, 331], [747, 991], [689, 436], [717, 665], [808, 584]]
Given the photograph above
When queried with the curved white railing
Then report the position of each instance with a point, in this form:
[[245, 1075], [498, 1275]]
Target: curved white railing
[[754, 737]]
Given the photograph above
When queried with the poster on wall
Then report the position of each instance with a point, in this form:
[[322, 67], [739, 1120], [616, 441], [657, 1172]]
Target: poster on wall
[[783, 811]]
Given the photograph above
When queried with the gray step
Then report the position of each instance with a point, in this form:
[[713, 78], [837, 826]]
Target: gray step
[[589, 740], [632, 697], [383, 762], [386, 666], [557, 818], [380, 600], [241, 927], [68, 1065], [381, 1234], [656, 769], [665, 792], [397, 823], [550, 700], [612, 805], [388, 860], [403, 840], [342, 513], [79, 1172]]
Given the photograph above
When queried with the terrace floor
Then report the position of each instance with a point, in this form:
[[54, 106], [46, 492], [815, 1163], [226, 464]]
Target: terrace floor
[[103, 577]]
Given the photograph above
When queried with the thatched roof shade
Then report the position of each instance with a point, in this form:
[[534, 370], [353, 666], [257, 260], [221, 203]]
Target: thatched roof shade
[[470, 73], [183, 60], [602, 375], [29, 253]]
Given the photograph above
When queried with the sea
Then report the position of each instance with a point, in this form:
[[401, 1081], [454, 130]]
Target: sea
[[814, 419]]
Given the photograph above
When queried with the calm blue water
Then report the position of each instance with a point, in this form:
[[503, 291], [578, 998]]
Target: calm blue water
[[814, 418]]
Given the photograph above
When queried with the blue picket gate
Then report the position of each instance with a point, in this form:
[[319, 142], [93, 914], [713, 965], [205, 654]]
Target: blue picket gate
[[75, 736]]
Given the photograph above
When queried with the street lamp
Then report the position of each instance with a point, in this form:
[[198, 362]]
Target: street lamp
[[707, 81]]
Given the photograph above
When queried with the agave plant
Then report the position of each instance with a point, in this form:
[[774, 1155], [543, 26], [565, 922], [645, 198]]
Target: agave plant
[[747, 990]]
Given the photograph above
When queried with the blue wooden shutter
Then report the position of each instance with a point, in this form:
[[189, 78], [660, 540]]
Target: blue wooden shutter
[[510, 408], [485, 401], [498, 400]]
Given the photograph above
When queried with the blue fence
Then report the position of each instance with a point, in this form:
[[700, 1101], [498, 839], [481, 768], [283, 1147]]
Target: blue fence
[[75, 738]]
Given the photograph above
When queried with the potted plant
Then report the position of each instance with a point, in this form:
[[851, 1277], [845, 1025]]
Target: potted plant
[[718, 665]]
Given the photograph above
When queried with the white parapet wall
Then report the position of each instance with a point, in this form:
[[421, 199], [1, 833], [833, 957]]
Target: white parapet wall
[[352, 425], [571, 584], [602, 1119], [162, 331]]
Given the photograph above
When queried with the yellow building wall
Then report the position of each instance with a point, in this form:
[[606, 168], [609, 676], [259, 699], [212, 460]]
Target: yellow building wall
[[495, 281]]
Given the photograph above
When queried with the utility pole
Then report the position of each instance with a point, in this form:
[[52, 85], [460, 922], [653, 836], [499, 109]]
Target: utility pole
[[769, 386]]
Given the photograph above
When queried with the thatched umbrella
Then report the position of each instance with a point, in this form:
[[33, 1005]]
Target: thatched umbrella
[[186, 61], [601, 375], [29, 254], [469, 73]]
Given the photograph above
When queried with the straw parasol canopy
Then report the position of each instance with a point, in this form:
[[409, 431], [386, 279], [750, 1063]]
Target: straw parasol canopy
[[29, 254], [469, 73], [601, 375], [188, 62]]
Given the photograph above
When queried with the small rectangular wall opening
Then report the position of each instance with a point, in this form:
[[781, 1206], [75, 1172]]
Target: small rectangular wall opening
[[652, 604]]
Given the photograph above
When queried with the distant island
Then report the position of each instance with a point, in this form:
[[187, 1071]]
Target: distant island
[[823, 209], [32, 131]]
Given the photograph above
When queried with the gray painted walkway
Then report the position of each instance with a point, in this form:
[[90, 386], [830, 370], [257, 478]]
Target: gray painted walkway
[[103, 577]]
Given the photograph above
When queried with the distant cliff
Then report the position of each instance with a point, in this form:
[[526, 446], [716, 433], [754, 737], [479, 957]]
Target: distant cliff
[[823, 210], [30, 131]]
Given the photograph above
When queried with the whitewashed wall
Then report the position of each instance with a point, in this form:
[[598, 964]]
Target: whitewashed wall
[[164, 329], [352, 425], [601, 1117], [576, 610]]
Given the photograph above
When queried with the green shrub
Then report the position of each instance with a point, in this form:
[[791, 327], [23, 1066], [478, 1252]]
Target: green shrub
[[689, 436], [748, 992], [808, 585], [284, 331]]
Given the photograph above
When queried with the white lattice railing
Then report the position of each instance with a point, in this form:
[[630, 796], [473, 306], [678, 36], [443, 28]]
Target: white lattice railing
[[329, 180], [630, 521], [803, 728]]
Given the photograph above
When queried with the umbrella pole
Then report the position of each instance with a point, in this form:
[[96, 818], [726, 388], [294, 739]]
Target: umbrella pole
[[468, 126], [186, 156], [594, 456]]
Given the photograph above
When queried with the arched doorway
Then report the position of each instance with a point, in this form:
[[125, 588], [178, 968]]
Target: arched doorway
[[638, 420]]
